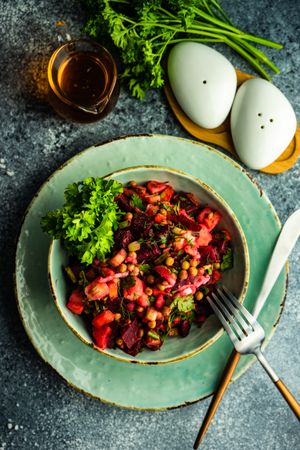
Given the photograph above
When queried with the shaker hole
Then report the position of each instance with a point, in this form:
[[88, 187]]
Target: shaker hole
[[262, 127], [259, 114], [204, 81], [271, 120]]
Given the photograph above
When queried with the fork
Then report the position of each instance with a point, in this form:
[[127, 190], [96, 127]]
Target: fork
[[247, 336]]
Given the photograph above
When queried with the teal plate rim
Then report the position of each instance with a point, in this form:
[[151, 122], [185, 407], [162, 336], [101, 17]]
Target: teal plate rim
[[279, 290]]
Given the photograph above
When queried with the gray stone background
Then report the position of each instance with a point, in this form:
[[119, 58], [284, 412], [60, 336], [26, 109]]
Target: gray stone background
[[38, 409]]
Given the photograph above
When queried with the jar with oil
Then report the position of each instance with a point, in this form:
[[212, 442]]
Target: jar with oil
[[82, 78]]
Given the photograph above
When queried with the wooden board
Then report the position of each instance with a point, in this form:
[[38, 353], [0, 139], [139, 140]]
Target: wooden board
[[221, 135]]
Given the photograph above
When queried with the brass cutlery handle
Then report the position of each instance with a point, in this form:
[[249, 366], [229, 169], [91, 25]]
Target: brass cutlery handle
[[294, 405], [227, 375]]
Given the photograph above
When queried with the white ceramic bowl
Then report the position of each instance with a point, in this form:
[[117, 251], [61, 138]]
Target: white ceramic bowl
[[235, 279]]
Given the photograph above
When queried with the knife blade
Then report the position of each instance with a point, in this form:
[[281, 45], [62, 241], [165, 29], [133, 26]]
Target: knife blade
[[285, 243]]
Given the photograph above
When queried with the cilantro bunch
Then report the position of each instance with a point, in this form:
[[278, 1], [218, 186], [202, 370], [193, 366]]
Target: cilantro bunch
[[88, 218], [142, 30]]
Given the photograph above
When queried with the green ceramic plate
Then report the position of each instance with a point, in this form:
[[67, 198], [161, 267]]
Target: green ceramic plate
[[133, 385]]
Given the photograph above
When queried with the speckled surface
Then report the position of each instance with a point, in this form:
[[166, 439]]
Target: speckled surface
[[38, 410]]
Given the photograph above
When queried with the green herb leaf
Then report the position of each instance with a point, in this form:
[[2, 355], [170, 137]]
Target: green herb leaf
[[144, 268], [137, 202], [143, 30], [227, 261], [154, 335], [183, 304], [87, 219]]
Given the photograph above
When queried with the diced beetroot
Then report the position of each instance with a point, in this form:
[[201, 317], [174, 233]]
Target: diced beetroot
[[209, 254], [148, 252], [216, 275], [102, 336], [176, 321], [130, 334], [184, 327], [132, 293], [91, 274], [130, 306], [187, 201], [165, 273], [135, 349], [96, 290], [143, 301], [123, 238], [156, 292], [155, 187], [103, 318], [118, 258], [188, 222], [167, 194], [123, 203], [113, 289], [204, 237], [160, 301], [75, 303], [140, 225]]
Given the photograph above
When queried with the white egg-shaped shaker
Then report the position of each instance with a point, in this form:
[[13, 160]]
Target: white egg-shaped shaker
[[262, 122], [203, 82]]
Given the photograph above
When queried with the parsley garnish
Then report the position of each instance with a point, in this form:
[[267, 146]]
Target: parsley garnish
[[227, 261], [144, 268], [183, 304], [88, 218], [137, 202], [144, 30]]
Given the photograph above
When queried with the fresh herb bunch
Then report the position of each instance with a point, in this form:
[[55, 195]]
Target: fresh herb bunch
[[143, 29], [88, 218]]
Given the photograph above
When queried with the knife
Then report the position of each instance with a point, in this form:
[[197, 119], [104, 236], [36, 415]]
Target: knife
[[285, 243]]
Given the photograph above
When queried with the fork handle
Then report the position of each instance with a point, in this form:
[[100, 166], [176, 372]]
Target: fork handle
[[287, 395], [294, 405], [223, 383]]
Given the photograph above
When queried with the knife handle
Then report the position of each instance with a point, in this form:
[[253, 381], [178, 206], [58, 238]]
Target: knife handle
[[227, 375]]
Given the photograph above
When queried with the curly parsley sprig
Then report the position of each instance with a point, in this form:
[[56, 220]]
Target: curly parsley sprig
[[88, 218], [143, 29]]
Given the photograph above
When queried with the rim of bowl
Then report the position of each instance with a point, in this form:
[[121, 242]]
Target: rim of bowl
[[241, 297]]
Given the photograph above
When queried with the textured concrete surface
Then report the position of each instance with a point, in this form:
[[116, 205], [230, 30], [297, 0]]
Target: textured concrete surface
[[38, 410]]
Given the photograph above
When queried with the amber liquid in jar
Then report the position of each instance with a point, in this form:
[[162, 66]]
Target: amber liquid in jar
[[82, 78], [84, 82]]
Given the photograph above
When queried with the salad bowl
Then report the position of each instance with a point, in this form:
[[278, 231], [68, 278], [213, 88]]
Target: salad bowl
[[236, 279]]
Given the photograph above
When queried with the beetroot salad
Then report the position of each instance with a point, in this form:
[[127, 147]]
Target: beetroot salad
[[168, 254]]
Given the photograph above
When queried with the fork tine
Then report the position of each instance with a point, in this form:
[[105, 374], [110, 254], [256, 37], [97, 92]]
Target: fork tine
[[236, 312], [222, 320], [229, 317], [246, 313]]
